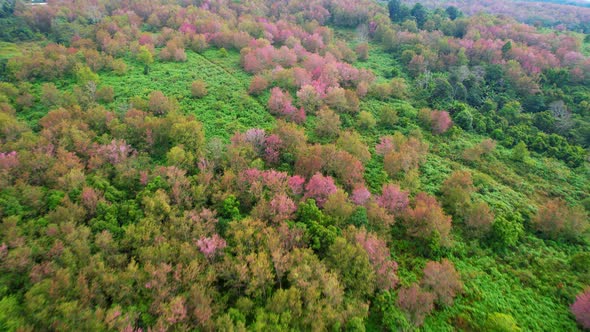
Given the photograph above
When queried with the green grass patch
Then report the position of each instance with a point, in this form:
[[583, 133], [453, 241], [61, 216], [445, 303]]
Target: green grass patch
[[225, 109], [8, 50]]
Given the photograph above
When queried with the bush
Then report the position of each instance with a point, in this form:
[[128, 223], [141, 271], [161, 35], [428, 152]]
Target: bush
[[388, 117], [199, 89], [366, 120], [159, 104], [555, 220], [507, 230], [580, 262], [106, 94], [498, 322]]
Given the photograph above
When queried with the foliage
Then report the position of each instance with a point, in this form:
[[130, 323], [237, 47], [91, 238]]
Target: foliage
[[198, 89], [555, 219], [263, 166], [442, 280], [499, 322], [426, 220], [507, 230], [581, 309], [416, 303]]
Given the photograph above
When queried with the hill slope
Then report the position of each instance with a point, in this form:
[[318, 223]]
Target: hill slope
[[268, 165]]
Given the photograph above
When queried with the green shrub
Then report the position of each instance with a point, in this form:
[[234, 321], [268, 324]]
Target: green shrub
[[498, 322]]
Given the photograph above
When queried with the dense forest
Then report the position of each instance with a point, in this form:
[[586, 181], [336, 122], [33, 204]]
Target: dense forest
[[559, 14], [274, 165]]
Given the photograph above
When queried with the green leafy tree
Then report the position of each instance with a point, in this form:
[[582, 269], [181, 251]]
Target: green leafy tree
[[420, 13], [520, 152], [453, 12], [352, 263], [507, 230]]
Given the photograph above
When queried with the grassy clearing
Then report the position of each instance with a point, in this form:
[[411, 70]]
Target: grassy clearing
[[227, 106]]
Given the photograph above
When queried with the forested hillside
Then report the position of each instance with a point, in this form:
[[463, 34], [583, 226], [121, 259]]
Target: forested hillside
[[216, 165], [559, 14]]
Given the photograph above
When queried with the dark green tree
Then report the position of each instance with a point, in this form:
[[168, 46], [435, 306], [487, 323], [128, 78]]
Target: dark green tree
[[453, 12], [506, 48], [420, 13], [398, 12]]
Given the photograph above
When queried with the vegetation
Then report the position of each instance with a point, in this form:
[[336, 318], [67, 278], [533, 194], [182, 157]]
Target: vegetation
[[299, 165]]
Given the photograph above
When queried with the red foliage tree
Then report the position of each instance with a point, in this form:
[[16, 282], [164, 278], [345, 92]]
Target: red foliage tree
[[346, 168], [310, 160], [362, 51], [479, 219], [174, 51], [416, 303], [442, 280], [401, 153], [555, 219], [159, 104], [426, 220], [257, 85]]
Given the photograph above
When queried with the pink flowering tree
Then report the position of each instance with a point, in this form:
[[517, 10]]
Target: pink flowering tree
[[440, 121], [393, 199], [256, 137], [114, 153], [416, 303], [280, 103], [282, 208], [210, 246], [380, 258], [296, 183], [320, 188], [581, 309], [272, 150], [360, 195], [384, 146]]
